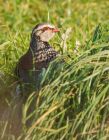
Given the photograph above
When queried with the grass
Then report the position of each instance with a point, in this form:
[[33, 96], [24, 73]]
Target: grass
[[73, 102]]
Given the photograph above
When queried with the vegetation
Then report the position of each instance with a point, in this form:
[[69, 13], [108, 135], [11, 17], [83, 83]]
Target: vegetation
[[73, 102]]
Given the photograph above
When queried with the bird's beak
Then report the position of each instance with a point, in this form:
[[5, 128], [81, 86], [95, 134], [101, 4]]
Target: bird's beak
[[55, 30]]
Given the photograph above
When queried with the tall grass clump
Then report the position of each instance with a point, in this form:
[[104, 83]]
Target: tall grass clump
[[73, 101]]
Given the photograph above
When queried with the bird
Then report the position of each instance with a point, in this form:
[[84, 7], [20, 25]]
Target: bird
[[31, 65], [38, 56]]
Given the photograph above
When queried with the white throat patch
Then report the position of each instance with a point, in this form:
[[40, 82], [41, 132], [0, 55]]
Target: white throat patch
[[47, 35]]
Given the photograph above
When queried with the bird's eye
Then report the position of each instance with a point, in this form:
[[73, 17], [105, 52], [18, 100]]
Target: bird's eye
[[45, 28]]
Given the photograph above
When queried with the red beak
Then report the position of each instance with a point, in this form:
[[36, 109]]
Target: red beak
[[55, 30]]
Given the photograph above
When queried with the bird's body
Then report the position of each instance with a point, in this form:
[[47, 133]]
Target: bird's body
[[38, 56], [30, 66]]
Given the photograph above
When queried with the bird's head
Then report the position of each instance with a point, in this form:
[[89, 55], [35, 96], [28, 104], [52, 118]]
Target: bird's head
[[44, 31]]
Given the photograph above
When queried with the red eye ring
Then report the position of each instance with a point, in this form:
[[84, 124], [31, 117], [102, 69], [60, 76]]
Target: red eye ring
[[53, 29]]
